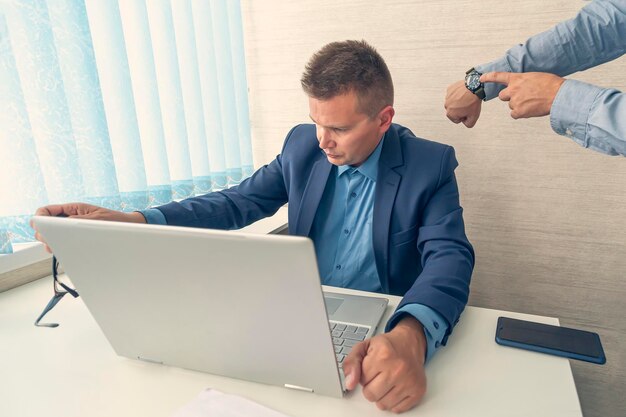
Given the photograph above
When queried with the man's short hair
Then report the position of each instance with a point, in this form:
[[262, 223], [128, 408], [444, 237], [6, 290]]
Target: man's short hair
[[341, 67]]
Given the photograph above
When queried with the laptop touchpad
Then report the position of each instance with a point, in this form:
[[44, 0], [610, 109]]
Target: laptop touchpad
[[332, 304]]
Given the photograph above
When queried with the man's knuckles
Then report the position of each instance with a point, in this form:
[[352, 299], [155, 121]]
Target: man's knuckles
[[370, 394], [381, 351]]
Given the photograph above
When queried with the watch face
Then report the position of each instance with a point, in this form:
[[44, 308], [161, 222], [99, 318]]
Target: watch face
[[472, 81]]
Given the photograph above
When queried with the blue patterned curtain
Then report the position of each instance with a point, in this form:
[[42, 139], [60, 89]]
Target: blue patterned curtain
[[125, 104]]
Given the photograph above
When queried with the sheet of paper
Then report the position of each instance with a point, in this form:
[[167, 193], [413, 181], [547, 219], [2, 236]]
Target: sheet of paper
[[210, 403]]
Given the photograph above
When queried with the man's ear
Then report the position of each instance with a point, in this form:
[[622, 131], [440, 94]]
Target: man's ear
[[385, 117]]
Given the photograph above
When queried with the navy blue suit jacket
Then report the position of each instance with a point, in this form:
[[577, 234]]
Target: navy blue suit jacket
[[420, 246]]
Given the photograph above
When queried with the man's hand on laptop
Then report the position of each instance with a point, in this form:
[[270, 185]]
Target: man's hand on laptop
[[390, 367], [85, 211]]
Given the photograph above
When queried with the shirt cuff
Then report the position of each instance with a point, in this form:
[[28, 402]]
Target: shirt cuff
[[153, 216], [571, 108], [435, 326], [499, 65]]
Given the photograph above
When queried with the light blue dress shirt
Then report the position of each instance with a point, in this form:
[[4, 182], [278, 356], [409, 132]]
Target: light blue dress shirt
[[592, 116], [342, 228], [342, 232], [154, 216]]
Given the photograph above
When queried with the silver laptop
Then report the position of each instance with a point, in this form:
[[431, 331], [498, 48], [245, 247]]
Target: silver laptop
[[240, 305]]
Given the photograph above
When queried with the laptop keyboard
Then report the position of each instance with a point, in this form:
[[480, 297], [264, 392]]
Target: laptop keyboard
[[344, 337]]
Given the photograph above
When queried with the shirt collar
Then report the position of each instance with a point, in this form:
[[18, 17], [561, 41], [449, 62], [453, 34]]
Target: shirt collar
[[369, 168]]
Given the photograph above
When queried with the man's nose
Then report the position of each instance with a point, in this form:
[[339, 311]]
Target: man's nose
[[323, 136]]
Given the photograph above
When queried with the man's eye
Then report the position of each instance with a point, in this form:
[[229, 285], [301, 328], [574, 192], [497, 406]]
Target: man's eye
[[339, 130]]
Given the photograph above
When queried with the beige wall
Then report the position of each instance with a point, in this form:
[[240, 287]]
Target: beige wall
[[547, 218]]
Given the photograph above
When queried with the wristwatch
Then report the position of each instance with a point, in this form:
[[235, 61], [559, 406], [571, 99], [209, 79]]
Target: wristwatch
[[472, 82]]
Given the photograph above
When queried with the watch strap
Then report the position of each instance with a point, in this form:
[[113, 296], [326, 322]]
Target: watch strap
[[480, 92]]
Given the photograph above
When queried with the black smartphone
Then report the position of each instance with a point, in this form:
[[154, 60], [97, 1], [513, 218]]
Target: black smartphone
[[554, 340]]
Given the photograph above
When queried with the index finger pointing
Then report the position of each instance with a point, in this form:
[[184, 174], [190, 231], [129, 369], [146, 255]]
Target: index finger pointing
[[496, 77]]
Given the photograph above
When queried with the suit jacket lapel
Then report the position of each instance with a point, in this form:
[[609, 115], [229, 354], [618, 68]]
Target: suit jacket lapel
[[312, 195], [387, 185]]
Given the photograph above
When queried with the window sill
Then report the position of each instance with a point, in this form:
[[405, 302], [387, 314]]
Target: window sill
[[28, 262], [23, 255]]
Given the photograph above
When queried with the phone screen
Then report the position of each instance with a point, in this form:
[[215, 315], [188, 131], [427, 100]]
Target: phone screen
[[563, 339]]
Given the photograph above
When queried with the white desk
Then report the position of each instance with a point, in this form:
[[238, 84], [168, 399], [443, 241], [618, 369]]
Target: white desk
[[72, 371]]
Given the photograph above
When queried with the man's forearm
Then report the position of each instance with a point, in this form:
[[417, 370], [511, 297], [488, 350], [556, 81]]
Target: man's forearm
[[596, 35]]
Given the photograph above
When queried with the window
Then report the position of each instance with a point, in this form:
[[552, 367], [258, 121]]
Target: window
[[125, 104]]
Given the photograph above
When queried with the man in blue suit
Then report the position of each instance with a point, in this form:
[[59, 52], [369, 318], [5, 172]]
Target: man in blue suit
[[381, 206]]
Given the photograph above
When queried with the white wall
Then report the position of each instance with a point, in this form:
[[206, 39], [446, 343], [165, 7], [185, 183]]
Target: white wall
[[547, 218]]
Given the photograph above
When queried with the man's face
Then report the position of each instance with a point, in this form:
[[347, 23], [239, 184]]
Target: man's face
[[347, 136]]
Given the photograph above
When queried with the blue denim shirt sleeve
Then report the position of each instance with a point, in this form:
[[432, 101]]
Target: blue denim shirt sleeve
[[500, 65], [597, 34], [153, 216], [435, 326], [592, 116]]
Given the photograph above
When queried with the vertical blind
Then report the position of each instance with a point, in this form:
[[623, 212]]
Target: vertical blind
[[124, 104]]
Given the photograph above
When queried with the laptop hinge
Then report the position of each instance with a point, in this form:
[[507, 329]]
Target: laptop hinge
[[299, 388], [150, 360]]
